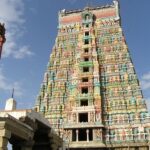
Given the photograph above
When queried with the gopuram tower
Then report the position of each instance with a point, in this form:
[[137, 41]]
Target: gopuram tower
[[2, 37], [90, 93]]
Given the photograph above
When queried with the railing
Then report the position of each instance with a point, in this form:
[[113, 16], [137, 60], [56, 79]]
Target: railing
[[127, 121], [85, 84], [145, 120], [83, 124], [122, 107], [140, 137], [87, 37], [84, 95], [82, 64], [116, 122], [83, 108]]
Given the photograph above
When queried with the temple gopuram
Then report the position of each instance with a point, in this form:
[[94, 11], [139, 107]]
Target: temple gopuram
[[2, 37], [90, 93]]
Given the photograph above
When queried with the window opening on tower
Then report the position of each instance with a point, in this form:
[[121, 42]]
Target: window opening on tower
[[86, 58], [84, 102], [83, 117], [85, 69], [84, 133], [86, 41], [84, 90], [87, 17], [87, 33], [74, 135], [87, 25], [86, 50], [85, 79]]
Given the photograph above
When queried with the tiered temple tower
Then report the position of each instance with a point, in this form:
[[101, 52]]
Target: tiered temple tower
[[90, 93], [2, 37]]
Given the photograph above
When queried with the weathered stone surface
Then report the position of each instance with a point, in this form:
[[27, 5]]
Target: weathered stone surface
[[26, 130]]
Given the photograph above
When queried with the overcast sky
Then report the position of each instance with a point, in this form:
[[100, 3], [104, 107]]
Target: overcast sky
[[31, 29]]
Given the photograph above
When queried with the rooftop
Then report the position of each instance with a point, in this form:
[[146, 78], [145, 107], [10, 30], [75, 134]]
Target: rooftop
[[89, 8]]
